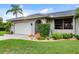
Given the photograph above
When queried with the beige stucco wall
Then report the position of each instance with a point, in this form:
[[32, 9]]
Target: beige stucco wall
[[43, 21], [77, 26]]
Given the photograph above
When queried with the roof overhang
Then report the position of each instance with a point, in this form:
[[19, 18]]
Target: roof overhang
[[26, 18]]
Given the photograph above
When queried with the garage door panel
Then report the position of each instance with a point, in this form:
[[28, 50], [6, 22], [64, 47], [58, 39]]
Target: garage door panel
[[23, 28]]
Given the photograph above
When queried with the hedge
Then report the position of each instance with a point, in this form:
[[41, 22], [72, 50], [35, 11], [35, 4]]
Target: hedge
[[44, 29]]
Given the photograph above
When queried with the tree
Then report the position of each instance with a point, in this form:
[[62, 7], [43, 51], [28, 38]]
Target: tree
[[76, 13], [7, 26], [1, 22], [15, 9]]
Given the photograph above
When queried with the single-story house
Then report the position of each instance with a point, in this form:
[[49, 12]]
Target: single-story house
[[62, 22]]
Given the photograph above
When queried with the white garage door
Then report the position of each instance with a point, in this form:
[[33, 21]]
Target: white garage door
[[23, 28]]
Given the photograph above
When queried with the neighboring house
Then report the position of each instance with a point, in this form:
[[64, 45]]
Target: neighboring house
[[62, 22]]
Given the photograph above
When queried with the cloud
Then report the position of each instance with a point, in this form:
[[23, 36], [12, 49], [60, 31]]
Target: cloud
[[26, 12], [21, 6], [77, 5], [46, 10], [29, 12]]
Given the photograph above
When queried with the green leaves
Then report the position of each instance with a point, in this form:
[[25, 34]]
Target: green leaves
[[57, 36], [44, 29], [1, 22], [15, 9], [76, 36], [77, 13]]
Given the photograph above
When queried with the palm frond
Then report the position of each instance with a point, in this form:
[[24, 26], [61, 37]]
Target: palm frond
[[20, 12], [8, 11], [76, 13], [15, 9]]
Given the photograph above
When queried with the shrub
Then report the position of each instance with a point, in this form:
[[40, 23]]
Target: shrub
[[44, 29], [48, 38], [2, 33], [76, 36], [37, 35], [57, 36], [67, 36], [41, 38]]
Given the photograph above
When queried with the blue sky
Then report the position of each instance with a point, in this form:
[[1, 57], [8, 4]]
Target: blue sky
[[36, 8]]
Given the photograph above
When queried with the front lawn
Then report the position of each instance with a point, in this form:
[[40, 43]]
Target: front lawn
[[32, 47]]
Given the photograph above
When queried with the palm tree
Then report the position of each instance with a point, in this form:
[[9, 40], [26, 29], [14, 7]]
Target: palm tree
[[76, 17], [15, 9], [77, 13]]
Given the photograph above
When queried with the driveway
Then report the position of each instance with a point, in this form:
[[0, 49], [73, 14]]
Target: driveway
[[14, 36]]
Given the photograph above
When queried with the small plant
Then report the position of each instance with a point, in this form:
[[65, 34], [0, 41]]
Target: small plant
[[76, 36], [48, 38], [57, 36], [41, 38], [67, 36]]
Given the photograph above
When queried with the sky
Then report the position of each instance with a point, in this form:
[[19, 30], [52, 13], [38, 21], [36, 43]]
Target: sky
[[29, 9]]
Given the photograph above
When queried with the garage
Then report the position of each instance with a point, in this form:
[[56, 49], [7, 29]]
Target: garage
[[23, 28]]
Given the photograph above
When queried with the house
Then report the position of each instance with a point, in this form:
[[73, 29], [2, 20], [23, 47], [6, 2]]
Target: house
[[62, 22]]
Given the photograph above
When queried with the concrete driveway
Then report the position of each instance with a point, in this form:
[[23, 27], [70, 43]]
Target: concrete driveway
[[14, 36]]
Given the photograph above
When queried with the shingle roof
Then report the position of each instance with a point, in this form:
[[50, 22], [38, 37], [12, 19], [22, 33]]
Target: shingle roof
[[61, 14], [29, 17], [56, 14]]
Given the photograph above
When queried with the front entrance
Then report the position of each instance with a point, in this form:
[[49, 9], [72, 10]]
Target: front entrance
[[36, 25]]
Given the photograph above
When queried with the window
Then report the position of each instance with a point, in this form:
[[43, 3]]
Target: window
[[63, 23], [58, 24]]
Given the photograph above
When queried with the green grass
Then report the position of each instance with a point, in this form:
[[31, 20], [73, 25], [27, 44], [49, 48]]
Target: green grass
[[2, 33], [32, 47]]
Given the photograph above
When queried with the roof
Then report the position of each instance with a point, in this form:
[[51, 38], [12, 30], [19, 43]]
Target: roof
[[61, 14], [56, 14], [29, 17]]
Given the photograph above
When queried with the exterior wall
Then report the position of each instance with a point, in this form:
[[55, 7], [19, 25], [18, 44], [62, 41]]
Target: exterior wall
[[43, 21], [51, 26], [64, 31], [74, 26], [77, 26], [52, 30]]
